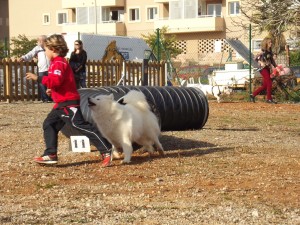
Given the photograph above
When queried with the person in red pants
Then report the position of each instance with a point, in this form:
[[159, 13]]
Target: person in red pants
[[266, 61]]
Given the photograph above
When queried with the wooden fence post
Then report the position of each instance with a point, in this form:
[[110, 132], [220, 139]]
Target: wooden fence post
[[99, 73], [8, 81]]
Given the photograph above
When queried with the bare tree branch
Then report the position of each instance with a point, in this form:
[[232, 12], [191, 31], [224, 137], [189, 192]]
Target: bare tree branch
[[272, 16]]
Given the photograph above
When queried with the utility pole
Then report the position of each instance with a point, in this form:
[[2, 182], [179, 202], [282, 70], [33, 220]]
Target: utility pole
[[96, 15], [250, 61]]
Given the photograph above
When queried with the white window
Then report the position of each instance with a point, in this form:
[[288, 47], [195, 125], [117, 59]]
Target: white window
[[105, 14], [46, 19], [214, 9], [87, 15], [234, 8], [62, 17], [121, 15], [82, 15], [256, 45], [92, 15], [175, 9], [190, 9], [152, 13], [134, 14]]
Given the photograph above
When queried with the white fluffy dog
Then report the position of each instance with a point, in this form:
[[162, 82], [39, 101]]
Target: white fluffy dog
[[124, 124], [216, 90]]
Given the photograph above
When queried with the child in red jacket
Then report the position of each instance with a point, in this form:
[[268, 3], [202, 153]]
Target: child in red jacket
[[66, 111]]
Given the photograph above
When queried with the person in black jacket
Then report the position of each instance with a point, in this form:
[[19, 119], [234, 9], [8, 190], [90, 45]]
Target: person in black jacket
[[77, 62], [266, 62]]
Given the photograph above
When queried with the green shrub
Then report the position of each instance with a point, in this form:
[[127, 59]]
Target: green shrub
[[21, 45], [295, 58]]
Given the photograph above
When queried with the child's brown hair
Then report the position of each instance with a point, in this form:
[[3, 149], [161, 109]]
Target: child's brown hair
[[57, 43], [264, 44]]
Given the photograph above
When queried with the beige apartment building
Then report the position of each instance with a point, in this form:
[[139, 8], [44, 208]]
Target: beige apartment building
[[35, 17], [200, 26]]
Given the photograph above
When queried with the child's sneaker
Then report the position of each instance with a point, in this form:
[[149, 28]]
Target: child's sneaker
[[107, 158], [46, 159]]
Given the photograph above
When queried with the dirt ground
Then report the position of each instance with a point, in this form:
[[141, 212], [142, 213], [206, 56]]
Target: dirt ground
[[243, 167]]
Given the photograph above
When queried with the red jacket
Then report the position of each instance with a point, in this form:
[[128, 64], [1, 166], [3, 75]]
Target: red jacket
[[61, 81]]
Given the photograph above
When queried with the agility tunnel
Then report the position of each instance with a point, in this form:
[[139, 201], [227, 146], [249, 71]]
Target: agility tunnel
[[177, 108]]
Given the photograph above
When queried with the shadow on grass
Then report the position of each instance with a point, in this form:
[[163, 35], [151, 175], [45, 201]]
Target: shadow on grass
[[172, 143], [234, 129], [174, 148], [86, 162], [179, 154]]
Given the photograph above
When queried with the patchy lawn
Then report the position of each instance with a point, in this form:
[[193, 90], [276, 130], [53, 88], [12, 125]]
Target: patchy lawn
[[241, 168]]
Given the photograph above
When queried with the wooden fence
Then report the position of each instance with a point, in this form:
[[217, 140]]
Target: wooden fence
[[15, 87]]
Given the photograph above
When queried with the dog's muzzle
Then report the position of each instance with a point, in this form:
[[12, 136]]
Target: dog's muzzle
[[90, 102]]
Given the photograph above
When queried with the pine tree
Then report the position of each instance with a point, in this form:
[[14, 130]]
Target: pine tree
[[167, 43]]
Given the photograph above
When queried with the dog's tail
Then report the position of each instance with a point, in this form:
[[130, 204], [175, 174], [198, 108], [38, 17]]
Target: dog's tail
[[137, 99]]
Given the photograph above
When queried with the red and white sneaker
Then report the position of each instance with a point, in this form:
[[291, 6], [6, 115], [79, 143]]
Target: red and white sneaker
[[107, 158], [46, 159]]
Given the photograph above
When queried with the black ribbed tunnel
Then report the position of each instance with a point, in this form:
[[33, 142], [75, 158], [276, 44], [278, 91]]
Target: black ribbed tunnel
[[178, 108]]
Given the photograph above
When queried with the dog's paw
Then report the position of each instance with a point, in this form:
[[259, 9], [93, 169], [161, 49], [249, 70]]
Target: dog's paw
[[125, 162], [116, 155], [161, 152]]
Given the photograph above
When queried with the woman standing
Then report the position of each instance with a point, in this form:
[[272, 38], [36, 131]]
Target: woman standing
[[77, 61], [266, 61]]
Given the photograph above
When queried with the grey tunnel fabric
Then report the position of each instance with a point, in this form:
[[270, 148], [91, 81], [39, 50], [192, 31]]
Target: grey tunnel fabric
[[177, 108]]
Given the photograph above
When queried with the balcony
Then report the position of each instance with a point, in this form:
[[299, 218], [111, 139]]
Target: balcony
[[201, 24], [105, 28], [119, 3], [83, 3]]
